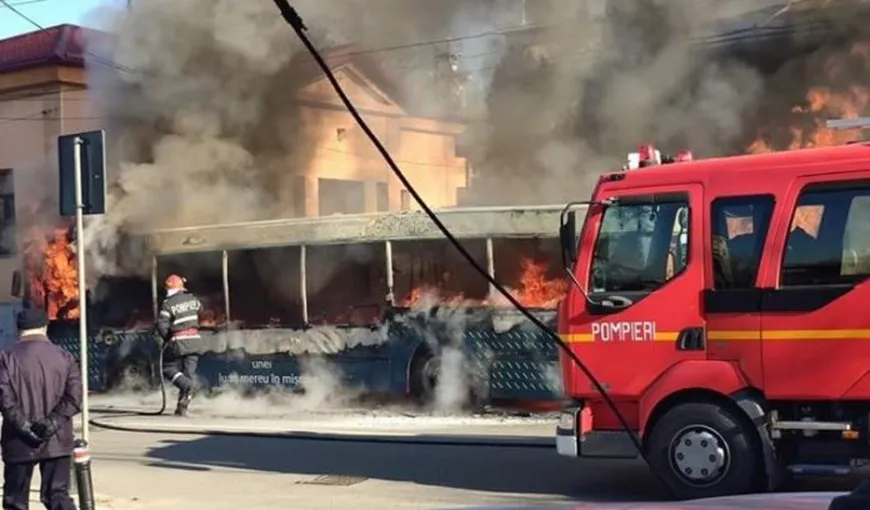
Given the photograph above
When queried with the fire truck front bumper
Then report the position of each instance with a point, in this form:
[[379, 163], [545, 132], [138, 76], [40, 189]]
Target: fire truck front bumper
[[575, 438]]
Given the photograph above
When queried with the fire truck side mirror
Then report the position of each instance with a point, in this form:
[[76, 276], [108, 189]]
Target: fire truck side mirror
[[17, 286], [568, 238]]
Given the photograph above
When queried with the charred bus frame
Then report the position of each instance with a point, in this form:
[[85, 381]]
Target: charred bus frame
[[472, 223], [509, 359]]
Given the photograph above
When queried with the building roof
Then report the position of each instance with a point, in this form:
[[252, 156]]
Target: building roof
[[350, 54], [59, 45]]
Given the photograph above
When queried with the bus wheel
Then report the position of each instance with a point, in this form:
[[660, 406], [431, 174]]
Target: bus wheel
[[424, 374], [704, 450], [135, 376]]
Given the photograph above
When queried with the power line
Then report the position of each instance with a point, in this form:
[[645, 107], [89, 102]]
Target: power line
[[25, 2], [20, 14]]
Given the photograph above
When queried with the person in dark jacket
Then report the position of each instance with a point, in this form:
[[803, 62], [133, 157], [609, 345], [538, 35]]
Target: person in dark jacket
[[40, 392], [178, 323]]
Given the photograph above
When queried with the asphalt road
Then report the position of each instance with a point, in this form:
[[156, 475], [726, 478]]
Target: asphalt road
[[165, 471], [155, 472]]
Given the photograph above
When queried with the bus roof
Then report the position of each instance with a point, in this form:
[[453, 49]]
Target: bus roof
[[466, 223], [754, 172]]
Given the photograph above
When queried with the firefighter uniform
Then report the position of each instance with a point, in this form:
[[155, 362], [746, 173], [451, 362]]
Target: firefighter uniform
[[177, 321]]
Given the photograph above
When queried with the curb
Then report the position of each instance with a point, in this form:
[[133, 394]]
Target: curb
[[434, 439]]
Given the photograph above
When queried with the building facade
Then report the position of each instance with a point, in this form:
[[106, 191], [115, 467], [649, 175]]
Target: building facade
[[44, 94]]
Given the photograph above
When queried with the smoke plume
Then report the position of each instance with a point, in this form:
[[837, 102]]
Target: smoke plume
[[205, 126], [573, 100], [318, 389]]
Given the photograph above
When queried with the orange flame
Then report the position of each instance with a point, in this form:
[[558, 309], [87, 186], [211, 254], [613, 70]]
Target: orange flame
[[534, 290], [52, 274], [821, 104]]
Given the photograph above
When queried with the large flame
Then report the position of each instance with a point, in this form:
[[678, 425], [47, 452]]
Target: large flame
[[534, 290], [50, 263], [808, 129]]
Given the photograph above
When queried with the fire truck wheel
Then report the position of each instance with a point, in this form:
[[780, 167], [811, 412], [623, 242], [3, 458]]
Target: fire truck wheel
[[704, 450]]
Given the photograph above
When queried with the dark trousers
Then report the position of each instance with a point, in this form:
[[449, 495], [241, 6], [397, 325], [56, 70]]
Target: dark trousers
[[181, 370], [53, 492]]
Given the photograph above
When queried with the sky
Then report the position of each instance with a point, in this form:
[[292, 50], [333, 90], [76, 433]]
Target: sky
[[46, 13]]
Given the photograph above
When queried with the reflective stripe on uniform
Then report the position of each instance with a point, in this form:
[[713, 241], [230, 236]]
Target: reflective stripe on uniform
[[182, 320]]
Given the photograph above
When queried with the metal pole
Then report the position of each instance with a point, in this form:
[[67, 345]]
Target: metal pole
[[490, 261], [303, 283], [225, 274], [391, 298], [80, 264], [154, 304]]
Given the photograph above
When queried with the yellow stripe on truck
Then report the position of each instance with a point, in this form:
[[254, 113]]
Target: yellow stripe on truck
[[792, 334], [743, 335], [583, 338]]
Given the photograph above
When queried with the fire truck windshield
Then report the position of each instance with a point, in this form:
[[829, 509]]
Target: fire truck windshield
[[640, 246]]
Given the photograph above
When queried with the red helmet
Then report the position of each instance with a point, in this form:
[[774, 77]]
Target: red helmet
[[174, 282]]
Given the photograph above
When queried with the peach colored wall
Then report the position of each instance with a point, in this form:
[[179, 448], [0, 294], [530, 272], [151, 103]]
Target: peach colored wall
[[31, 109]]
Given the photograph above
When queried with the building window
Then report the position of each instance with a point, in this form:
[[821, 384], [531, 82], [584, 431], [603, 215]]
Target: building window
[[8, 240], [340, 196], [406, 200], [383, 197], [829, 241]]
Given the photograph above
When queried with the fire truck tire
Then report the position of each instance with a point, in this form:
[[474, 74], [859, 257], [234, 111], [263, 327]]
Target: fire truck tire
[[705, 450]]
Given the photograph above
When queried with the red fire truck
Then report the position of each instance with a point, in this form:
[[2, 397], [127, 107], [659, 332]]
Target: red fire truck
[[724, 305]]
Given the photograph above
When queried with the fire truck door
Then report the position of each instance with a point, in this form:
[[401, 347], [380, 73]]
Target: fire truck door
[[732, 300], [815, 314], [646, 262]]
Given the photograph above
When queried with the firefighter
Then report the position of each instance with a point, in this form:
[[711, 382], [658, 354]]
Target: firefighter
[[40, 392], [178, 325]]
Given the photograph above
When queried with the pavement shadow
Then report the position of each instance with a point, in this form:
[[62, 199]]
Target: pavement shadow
[[488, 468]]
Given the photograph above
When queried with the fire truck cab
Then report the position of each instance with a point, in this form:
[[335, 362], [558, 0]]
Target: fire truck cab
[[724, 305]]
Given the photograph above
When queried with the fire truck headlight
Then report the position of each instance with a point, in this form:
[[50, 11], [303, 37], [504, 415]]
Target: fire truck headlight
[[566, 420]]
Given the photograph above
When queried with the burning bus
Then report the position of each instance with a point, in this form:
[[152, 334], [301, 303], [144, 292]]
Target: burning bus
[[382, 298]]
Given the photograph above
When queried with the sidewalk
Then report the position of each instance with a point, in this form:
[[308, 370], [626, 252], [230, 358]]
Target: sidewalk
[[479, 431], [103, 502]]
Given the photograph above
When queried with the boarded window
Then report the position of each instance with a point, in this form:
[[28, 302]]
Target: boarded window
[[339, 196], [383, 196], [7, 214]]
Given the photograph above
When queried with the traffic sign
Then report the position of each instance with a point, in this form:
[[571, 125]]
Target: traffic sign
[[92, 170]]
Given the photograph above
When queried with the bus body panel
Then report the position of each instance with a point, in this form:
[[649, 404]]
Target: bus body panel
[[507, 355]]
